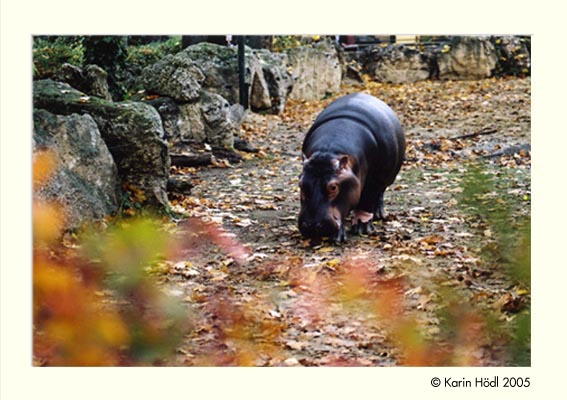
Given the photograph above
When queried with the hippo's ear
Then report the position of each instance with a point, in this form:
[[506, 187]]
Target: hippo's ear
[[342, 162]]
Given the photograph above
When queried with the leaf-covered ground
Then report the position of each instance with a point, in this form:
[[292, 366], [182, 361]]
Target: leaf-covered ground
[[419, 291]]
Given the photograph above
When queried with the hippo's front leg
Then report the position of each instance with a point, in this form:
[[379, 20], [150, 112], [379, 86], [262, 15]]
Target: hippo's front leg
[[341, 235]]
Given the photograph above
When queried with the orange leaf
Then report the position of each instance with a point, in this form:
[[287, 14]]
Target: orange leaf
[[44, 164]]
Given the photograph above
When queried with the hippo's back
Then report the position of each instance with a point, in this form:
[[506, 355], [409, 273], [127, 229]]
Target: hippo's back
[[380, 132], [364, 109]]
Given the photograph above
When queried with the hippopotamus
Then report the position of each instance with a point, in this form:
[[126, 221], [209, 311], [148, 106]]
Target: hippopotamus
[[351, 154]]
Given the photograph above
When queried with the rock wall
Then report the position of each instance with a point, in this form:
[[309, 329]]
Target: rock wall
[[133, 133], [199, 88], [460, 58], [397, 64]]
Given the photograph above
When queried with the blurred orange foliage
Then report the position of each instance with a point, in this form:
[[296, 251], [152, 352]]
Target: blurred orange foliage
[[69, 329], [75, 324]]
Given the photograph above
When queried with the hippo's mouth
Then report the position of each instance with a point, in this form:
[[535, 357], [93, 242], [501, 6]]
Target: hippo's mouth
[[329, 228]]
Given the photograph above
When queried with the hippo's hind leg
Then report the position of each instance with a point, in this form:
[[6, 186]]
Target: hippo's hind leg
[[370, 208], [379, 213], [362, 222]]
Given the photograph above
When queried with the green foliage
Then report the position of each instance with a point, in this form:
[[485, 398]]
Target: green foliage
[[109, 53], [50, 52], [520, 346], [127, 251], [141, 56], [282, 43], [484, 199], [510, 246], [121, 61]]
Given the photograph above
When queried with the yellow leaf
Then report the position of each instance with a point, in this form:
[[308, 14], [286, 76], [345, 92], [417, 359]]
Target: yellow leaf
[[334, 262]]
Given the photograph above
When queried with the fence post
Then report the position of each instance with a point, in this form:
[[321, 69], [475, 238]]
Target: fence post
[[242, 87]]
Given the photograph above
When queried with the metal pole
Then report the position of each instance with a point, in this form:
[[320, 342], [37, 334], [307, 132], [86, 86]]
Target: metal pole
[[242, 87]]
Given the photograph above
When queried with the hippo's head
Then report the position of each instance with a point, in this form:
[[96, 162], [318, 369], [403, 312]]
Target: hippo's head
[[329, 191]]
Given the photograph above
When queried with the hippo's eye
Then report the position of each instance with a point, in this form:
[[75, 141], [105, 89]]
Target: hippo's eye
[[333, 189]]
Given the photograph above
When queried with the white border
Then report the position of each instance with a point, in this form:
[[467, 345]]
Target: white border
[[20, 19]]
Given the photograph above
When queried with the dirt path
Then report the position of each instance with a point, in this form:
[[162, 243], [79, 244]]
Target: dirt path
[[288, 302]]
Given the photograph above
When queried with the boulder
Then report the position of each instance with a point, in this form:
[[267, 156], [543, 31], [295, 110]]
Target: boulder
[[174, 76], [216, 113], [169, 113], [259, 93], [136, 140], [180, 184], [191, 124], [467, 58], [278, 78], [97, 78], [219, 66], [353, 74], [132, 131], [237, 114], [351, 65], [316, 69], [91, 79], [397, 64], [86, 180], [207, 121]]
